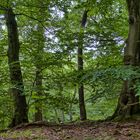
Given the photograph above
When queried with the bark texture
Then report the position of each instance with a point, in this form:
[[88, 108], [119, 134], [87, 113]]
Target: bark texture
[[20, 111], [128, 103], [83, 115]]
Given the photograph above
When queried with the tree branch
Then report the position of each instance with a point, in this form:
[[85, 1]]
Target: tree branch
[[3, 8]]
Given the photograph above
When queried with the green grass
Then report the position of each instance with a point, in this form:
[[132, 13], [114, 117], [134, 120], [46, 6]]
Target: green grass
[[34, 133]]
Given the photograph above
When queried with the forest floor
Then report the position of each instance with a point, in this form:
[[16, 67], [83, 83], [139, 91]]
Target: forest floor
[[75, 131]]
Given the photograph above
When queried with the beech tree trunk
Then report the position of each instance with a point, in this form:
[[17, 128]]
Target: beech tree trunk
[[128, 103], [20, 111], [83, 115]]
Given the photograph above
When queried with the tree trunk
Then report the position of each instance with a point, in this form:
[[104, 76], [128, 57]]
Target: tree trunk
[[38, 102], [20, 112], [128, 103], [71, 104], [38, 62], [83, 115]]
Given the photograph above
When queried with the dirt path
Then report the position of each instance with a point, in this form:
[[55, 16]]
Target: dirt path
[[92, 131]]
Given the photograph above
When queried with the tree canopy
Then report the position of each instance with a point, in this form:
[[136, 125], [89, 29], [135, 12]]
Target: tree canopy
[[63, 61]]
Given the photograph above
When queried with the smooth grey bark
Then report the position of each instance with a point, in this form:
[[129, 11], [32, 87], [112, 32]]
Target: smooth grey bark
[[20, 111]]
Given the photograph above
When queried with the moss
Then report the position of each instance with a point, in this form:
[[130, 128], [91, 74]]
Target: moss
[[31, 133]]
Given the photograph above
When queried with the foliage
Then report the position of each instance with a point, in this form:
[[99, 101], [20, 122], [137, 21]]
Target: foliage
[[48, 34]]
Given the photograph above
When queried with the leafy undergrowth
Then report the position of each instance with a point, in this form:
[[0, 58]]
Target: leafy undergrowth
[[81, 131]]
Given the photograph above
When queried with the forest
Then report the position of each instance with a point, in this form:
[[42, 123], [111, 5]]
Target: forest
[[68, 68]]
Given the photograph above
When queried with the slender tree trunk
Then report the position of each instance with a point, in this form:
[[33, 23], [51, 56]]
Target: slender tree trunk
[[83, 115], [20, 112], [128, 103], [38, 63], [62, 116], [57, 119], [39, 77], [38, 103], [71, 104]]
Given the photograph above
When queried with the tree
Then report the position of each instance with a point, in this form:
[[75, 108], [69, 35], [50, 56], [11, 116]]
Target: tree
[[38, 63], [128, 103], [83, 115], [53, 42], [20, 112]]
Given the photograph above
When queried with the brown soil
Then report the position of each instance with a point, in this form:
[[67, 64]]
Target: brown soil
[[81, 131]]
